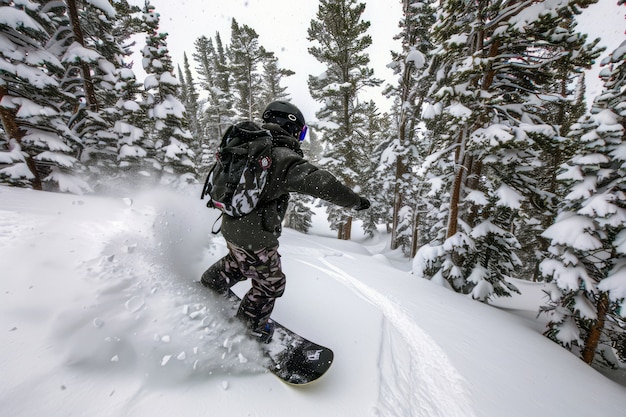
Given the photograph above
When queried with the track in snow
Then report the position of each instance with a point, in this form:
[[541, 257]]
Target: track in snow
[[423, 382]]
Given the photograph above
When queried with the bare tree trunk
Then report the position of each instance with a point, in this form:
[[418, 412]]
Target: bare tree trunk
[[593, 338], [90, 93], [13, 130]]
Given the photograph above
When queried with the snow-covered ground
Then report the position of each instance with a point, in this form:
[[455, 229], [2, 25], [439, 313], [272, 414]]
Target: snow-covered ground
[[102, 316]]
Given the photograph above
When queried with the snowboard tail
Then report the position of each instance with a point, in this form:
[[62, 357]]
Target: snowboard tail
[[293, 358]]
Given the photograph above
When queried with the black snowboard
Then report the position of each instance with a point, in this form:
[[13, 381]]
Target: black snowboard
[[292, 358]]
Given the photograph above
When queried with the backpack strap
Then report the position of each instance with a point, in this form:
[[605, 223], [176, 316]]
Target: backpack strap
[[219, 226], [261, 150], [207, 184]]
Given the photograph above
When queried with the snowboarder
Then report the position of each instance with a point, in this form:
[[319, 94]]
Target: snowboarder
[[252, 239]]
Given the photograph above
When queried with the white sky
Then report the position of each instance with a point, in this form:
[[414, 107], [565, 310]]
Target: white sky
[[282, 27]]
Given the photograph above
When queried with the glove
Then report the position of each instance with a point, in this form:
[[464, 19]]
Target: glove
[[363, 204]]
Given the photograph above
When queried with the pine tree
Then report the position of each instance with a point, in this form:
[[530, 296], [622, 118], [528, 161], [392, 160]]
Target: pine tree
[[40, 148], [190, 98], [411, 65], [223, 100], [587, 261], [170, 155], [213, 111], [271, 78], [130, 130], [571, 54], [88, 39], [203, 56], [299, 214], [87, 71], [100, 52], [495, 63], [122, 102], [378, 128], [339, 42], [246, 59], [312, 146]]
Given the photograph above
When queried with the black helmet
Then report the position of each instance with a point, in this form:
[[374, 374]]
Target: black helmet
[[287, 116]]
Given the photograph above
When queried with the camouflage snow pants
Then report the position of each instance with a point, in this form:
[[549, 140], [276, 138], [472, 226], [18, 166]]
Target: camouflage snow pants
[[263, 268]]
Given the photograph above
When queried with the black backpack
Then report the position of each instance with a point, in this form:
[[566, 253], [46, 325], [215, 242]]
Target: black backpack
[[236, 181]]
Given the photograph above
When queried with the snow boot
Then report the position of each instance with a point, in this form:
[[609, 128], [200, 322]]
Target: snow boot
[[264, 332]]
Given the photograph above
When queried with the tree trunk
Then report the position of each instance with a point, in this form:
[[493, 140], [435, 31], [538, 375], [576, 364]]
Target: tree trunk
[[8, 119], [13, 130], [415, 235], [397, 202], [345, 230], [453, 219], [90, 93], [473, 179], [490, 75], [406, 123], [455, 198], [593, 338]]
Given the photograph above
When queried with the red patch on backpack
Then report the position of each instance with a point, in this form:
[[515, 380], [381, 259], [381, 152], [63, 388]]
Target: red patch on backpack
[[265, 163]]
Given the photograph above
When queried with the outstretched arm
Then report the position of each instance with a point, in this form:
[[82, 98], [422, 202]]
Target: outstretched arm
[[306, 178]]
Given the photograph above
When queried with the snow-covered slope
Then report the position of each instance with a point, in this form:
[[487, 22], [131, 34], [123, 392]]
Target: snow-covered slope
[[102, 316]]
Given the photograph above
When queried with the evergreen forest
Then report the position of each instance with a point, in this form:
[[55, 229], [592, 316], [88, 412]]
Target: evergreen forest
[[490, 165]]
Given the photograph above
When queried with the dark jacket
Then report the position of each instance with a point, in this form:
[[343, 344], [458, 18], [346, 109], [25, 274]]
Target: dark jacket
[[289, 172]]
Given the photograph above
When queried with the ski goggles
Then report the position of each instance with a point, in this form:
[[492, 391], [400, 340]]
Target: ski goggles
[[290, 123], [294, 121]]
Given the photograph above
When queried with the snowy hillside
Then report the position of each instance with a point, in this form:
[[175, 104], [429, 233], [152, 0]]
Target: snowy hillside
[[102, 316]]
